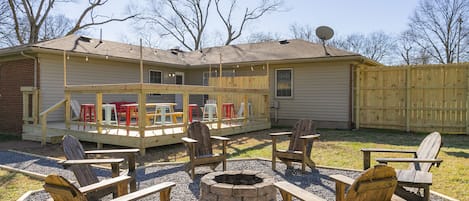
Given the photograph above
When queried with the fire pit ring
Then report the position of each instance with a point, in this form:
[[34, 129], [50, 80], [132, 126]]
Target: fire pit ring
[[237, 185]]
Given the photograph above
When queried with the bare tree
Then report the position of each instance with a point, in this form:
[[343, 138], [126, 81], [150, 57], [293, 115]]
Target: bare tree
[[376, 45], [186, 21], [262, 37], [304, 32], [233, 32], [30, 18], [183, 20], [440, 27]]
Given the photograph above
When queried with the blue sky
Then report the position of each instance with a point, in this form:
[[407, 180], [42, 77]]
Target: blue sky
[[344, 16]]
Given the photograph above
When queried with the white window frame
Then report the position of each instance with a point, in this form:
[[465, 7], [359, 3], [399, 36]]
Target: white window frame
[[149, 79], [291, 83]]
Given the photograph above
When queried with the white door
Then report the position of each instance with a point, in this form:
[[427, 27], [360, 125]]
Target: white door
[[178, 97]]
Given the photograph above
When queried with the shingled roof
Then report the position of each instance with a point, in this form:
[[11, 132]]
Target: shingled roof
[[272, 51]]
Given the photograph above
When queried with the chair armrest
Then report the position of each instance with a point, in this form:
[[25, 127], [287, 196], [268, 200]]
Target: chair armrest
[[287, 188], [219, 138], [165, 186], [188, 140], [409, 160], [105, 184], [280, 133], [91, 161], [367, 154], [112, 151], [342, 179], [307, 137], [387, 150], [341, 183]]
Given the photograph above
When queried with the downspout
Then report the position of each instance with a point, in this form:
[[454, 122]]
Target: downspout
[[35, 68], [351, 95]]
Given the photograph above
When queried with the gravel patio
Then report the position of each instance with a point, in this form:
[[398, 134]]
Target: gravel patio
[[316, 181]]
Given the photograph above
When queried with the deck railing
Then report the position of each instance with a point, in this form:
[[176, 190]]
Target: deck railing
[[30, 104], [142, 90]]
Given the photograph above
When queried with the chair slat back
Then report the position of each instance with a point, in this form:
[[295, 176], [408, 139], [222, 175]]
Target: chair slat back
[[428, 149], [301, 128], [377, 183], [62, 190], [74, 151], [200, 132]]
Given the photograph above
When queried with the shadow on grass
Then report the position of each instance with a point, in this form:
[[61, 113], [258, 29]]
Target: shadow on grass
[[391, 137], [459, 154]]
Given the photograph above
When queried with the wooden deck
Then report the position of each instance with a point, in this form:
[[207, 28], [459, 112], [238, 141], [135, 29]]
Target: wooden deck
[[119, 136]]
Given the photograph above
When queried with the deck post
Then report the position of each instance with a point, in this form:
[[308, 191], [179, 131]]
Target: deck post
[[142, 111], [99, 116], [43, 129], [35, 108], [219, 111], [185, 106], [67, 110]]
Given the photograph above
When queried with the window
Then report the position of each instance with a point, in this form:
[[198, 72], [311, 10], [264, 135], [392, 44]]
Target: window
[[284, 83], [155, 77]]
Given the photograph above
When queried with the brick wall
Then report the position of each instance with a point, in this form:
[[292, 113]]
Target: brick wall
[[13, 75]]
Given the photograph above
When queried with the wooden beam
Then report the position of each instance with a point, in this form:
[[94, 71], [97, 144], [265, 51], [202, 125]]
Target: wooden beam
[[68, 115], [185, 110]]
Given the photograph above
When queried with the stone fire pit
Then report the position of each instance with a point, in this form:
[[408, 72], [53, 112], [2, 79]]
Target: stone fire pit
[[237, 186]]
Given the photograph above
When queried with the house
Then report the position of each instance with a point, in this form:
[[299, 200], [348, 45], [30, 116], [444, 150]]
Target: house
[[304, 80]]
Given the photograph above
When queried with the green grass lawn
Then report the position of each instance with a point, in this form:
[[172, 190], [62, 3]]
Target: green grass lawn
[[342, 149]]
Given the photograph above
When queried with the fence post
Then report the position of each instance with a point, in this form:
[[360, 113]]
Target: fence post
[[407, 99], [467, 101]]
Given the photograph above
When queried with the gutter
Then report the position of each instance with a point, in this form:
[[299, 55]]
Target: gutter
[[35, 67]]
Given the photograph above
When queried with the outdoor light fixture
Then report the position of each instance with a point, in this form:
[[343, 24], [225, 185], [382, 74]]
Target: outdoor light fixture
[[252, 68], [171, 75], [86, 58]]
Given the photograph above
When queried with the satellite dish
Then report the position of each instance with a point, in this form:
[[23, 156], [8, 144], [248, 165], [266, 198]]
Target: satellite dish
[[324, 32]]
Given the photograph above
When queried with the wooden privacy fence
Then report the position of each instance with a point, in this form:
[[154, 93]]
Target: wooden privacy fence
[[258, 103], [420, 98]]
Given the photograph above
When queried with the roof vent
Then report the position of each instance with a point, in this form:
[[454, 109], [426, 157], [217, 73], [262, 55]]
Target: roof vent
[[84, 39], [175, 51], [283, 42]]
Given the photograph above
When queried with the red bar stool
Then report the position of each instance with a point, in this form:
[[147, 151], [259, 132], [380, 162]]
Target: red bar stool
[[228, 110], [191, 108], [87, 114]]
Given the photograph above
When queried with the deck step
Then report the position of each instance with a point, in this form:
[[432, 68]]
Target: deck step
[[34, 133]]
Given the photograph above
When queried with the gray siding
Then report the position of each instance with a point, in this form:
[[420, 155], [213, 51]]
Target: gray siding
[[320, 92], [92, 72]]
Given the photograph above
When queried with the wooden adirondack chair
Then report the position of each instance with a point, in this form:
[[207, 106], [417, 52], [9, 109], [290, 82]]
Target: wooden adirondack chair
[[61, 189], [377, 183], [79, 162], [301, 142], [199, 148], [418, 174]]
